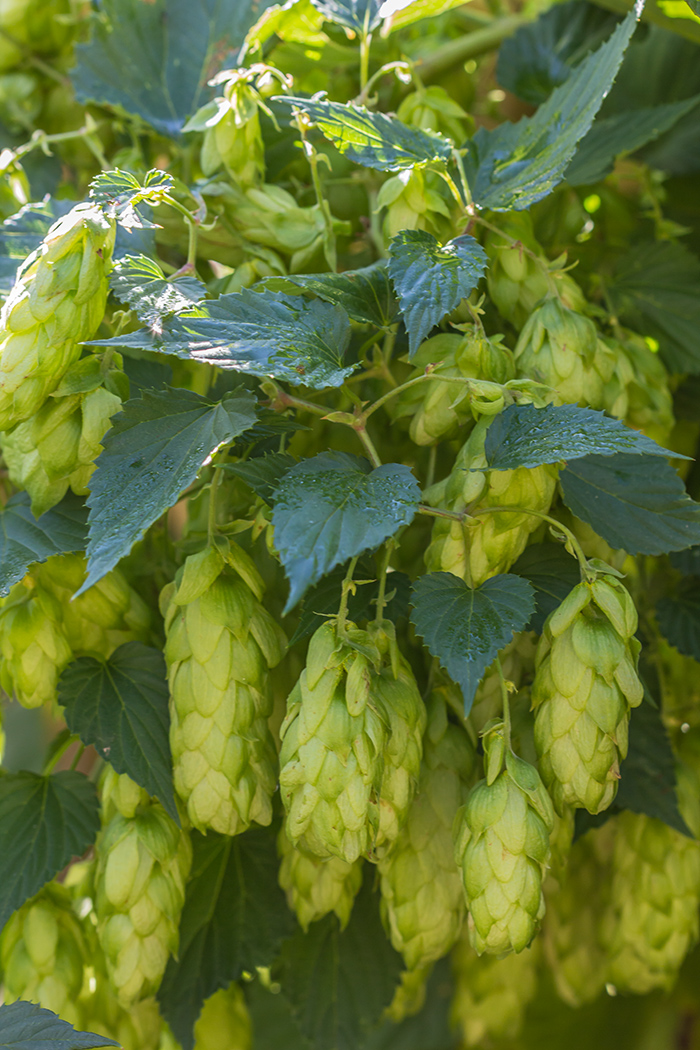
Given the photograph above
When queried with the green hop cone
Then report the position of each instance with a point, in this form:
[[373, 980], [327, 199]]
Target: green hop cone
[[416, 199], [560, 347], [585, 684], [57, 448], [43, 951], [224, 1023], [142, 864], [491, 994], [120, 794], [435, 408], [422, 898], [232, 135], [489, 543], [409, 997], [34, 648], [432, 109], [317, 886], [220, 645], [502, 848], [638, 391], [351, 743], [57, 302]]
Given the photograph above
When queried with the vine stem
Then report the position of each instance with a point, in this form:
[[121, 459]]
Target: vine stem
[[381, 595], [414, 382], [347, 587], [213, 489], [369, 444], [329, 245], [365, 41], [58, 754], [506, 702]]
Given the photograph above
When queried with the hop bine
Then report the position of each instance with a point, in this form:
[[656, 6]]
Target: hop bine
[[585, 684]]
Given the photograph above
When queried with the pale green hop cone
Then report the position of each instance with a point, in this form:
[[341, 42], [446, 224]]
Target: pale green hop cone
[[224, 1023], [34, 648], [317, 886]]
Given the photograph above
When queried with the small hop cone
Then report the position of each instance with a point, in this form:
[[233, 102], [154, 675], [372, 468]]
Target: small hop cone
[[422, 897], [34, 648], [415, 200], [491, 994], [490, 543], [235, 140], [220, 645], [409, 997], [585, 684], [224, 1023], [316, 887], [57, 302], [43, 952], [560, 347], [121, 794], [349, 764], [142, 866], [502, 848]]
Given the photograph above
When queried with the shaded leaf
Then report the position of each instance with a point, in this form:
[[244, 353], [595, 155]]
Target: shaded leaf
[[44, 823], [465, 628], [431, 279], [526, 436], [120, 706], [23, 232], [119, 194], [636, 503], [366, 295], [339, 984], [25, 539], [140, 282], [430, 1027], [516, 165], [648, 774], [333, 507], [552, 572], [263, 474], [678, 617], [145, 374], [234, 918], [155, 449], [358, 15], [272, 1020], [686, 561], [25, 1026], [374, 140]]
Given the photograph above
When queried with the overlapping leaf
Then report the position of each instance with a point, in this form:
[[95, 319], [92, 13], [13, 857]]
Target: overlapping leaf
[[122, 196], [465, 628], [154, 450], [140, 282], [25, 539], [366, 295], [120, 706], [264, 473], [333, 507], [431, 279], [25, 1026]]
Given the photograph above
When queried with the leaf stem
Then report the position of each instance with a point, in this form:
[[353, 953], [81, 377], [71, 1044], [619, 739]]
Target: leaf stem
[[381, 594], [439, 512], [213, 490], [58, 754], [78, 755], [366, 440], [329, 245], [347, 587], [506, 703], [414, 382], [365, 41]]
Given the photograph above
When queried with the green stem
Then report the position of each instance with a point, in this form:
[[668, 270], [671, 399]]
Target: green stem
[[414, 382], [387, 68], [381, 595], [365, 41], [213, 489], [438, 512], [432, 464], [454, 188], [40, 139], [369, 445], [515, 243], [506, 702], [347, 587], [285, 400], [78, 755], [58, 754], [329, 244], [470, 45]]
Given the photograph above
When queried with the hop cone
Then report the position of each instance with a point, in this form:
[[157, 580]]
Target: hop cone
[[436, 409], [224, 1023], [561, 348], [502, 847], [106, 616], [316, 886], [517, 281], [415, 200], [585, 684], [409, 997], [43, 951], [56, 449], [142, 864], [432, 109], [33, 644], [491, 542], [220, 644], [57, 302], [349, 765], [491, 994], [235, 140], [422, 897], [638, 392]]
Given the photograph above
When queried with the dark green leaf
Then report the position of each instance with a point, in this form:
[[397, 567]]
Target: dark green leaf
[[262, 333], [687, 561], [25, 1026], [263, 474], [119, 194], [374, 140], [333, 507], [358, 15], [234, 919], [678, 617], [272, 1019], [25, 539], [431, 279], [656, 290], [636, 503], [154, 59], [366, 295], [120, 706], [155, 449], [44, 823], [526, 436], [552, 572], [430, 1027], [516, 165], [465, 628], [23, 232], [541, 55], [140, 282], [339, 983], [145, 374], [622, 133]]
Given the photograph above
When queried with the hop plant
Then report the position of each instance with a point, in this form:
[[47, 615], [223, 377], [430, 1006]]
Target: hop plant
[[422, 897], [491, 994], [317, 886], [43, 951], [224, 1023], [220, 645], [57, 302], [351, 743], [34, 648], [585, 684], [502, 848], [143, 861], [232, 135]]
